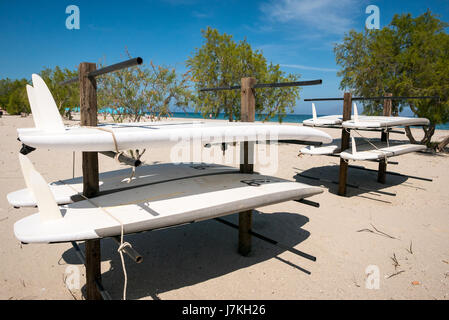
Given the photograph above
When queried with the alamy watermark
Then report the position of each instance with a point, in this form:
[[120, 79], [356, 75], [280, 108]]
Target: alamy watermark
[[73, 20], [373, 20], [372, 280], [209, 148], [72, 277]]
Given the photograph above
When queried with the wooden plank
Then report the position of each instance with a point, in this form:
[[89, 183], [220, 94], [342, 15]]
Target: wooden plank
[[88, 110], [247, 114], [345, 136], [382, 170]]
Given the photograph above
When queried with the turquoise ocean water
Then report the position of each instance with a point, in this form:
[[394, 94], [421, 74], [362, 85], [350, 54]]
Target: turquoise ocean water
[[292, 118]]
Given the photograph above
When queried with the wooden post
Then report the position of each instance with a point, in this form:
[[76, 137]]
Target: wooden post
[[382, 171], [88, 109], [388, 107], [343, 174], [247, 114]]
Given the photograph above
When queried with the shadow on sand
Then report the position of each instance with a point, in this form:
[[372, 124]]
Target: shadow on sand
[[194, 253], [360, 183]]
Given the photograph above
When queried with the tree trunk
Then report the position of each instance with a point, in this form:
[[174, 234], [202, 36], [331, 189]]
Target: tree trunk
[[409, 134], [443, 144], [428, 133]]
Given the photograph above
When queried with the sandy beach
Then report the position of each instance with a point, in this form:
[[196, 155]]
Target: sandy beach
[[400, 229]]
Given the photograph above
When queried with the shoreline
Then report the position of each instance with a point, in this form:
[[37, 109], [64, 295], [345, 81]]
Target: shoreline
[[438, 132], [289, 118]]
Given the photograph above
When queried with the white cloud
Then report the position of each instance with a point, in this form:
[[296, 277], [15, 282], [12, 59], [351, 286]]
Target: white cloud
[[326, 16], [180, 2], [299, 66], [201, 15]]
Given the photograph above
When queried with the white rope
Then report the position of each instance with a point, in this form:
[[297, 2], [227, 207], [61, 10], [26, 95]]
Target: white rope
[[123, 244], [120, 250], [366, 139], [118, 153], [137, 157]]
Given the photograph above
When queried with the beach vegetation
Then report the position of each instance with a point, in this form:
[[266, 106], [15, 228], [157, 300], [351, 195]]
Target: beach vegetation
[[223, 62], [145, 90], [13, 96], [66, 96], [408, 57]]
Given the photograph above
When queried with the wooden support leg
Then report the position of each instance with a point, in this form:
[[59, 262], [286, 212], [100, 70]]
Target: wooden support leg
[[90, 174], [93, 251], [343, 175], [247, 153], [245, 218], [345, 136], [382, 172], [247, 114], [88, 110], [245, 223], [93, 269]]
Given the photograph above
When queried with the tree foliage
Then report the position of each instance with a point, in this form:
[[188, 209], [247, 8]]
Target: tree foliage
[[13, 96], [408, 57], [134, 92], [223, 62], [66, 96]]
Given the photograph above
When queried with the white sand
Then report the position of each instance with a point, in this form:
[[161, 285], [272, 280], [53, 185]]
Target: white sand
[[200, 261]]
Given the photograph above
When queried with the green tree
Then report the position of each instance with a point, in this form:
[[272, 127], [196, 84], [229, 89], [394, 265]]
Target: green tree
[[408, 57], [19, 102], [223, 62], [5, 91], [14, 96], [66, 96], [133, 92]]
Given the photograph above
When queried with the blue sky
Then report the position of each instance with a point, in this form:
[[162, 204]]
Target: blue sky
[[297, 34]]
